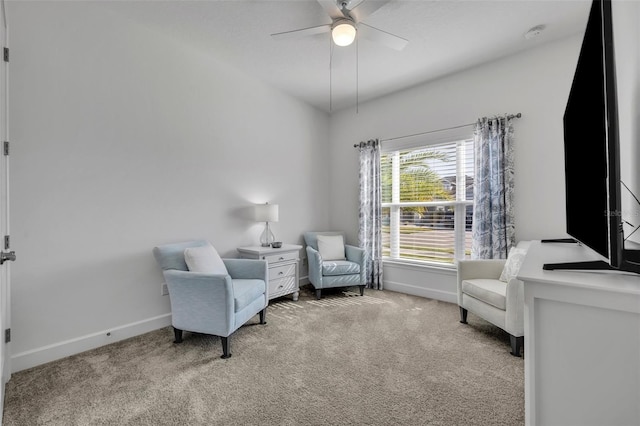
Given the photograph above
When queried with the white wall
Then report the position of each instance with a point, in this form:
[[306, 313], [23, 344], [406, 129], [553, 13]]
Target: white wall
[[626, 15], [123, 139], [535, 83]]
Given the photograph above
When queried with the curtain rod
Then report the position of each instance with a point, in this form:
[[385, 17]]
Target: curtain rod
[[510, 116]]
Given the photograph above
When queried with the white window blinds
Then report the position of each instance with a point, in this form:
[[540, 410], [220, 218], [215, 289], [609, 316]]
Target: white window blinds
[[427, 196]]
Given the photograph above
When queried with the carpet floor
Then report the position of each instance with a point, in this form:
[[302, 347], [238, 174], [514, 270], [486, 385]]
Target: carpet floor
[[383, 359]]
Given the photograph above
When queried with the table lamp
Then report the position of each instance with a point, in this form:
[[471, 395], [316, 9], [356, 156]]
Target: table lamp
[[266, 213]]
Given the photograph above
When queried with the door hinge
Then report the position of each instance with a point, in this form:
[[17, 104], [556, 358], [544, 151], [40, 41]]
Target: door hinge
[[7, 242], [7, 335], [6, 147], [6, 54]]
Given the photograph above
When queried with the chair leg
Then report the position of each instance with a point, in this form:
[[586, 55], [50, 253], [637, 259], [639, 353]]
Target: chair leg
[[463, 315], [318, 293], [263, 316], [178, 335], [362, 290], [225, 347], [516, 344]]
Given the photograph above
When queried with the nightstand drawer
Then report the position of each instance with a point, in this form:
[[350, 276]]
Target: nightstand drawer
[[279, 287], [277, 272], [281, 257]]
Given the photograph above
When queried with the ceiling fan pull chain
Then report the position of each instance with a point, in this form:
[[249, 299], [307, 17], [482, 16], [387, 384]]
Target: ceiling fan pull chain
[[330, 75], [357, 77]]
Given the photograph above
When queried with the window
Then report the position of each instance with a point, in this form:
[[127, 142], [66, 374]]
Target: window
[[427, 201]]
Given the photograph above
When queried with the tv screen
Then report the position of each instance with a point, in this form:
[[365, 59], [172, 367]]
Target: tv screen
[[592, 179], [585, 143]]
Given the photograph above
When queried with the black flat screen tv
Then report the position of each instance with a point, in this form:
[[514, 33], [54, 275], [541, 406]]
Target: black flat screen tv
[[592, 153]]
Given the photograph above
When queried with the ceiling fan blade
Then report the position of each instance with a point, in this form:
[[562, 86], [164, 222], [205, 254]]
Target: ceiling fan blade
[[365, 8], [332, 8], [302, 32], [382, 37]]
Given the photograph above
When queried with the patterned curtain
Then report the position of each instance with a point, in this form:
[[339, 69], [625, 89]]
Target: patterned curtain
[[493, 228], [370, 233]]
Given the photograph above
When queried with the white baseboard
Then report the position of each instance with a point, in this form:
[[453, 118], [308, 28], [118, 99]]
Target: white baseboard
[[429, 293], [44, 354]]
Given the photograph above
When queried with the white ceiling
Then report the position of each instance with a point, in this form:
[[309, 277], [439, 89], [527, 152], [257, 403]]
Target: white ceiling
[[445, 36]]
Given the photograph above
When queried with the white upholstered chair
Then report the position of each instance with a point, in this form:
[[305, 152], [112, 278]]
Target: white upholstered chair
[[490, 290]]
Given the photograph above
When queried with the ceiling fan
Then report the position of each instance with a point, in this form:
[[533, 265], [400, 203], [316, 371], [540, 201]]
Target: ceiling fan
[[346, 22]]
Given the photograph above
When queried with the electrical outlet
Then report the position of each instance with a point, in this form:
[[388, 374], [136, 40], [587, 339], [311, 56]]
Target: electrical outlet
[[164, 290]]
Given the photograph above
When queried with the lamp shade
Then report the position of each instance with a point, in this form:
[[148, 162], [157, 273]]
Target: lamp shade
[[266, 213], [343, 33]]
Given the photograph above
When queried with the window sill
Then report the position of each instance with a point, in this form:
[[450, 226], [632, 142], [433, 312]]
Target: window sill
[[418, 265]]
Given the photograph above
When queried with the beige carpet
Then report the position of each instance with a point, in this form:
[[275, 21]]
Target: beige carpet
[[382, 359]]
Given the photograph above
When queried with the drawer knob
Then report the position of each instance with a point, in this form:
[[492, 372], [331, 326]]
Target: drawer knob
[[280, 273], [281, 258], [280, 286]]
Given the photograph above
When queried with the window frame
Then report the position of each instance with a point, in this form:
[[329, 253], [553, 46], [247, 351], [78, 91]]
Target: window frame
[[460, 135]]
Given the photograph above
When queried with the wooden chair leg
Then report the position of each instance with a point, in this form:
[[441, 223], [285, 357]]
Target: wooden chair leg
[[225, 347], [516, 344], [463, 315], [263, 316], [178, 335]]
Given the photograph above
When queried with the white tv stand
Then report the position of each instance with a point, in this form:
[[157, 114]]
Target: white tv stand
[[582, 341]]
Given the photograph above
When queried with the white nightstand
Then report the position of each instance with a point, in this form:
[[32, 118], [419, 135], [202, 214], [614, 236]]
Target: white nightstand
[[283, 267]]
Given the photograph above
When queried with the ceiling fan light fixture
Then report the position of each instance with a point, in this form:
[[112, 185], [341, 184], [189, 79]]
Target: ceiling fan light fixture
[[343, 33]]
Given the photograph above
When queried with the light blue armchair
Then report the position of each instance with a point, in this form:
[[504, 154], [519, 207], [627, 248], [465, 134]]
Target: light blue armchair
[[211, 303], [345, 270]]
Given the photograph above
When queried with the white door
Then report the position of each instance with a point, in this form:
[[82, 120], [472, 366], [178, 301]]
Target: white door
[[5, 254]]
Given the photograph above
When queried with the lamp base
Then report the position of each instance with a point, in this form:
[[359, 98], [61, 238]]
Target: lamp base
[[267, 237]]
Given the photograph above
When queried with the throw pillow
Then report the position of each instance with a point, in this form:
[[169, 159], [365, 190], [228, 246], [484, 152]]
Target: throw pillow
[[204, 259], [514, 261], [331, 247]]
